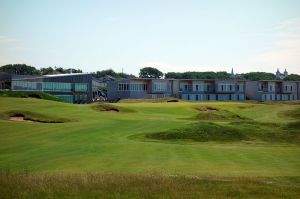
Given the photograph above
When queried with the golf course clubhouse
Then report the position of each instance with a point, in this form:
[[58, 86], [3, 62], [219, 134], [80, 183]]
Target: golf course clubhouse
[[72, 88]]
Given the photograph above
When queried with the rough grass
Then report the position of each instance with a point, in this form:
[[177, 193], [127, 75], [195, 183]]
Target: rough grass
[[214, 113], [32, 116], [113, 186], [294, 113], [152, 100], [111, 108], [232, 132], [29, 94]]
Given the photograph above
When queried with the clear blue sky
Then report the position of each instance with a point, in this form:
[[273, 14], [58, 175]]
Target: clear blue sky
[[172, 35]]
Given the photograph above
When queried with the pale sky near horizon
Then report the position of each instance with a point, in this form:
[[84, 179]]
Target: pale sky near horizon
[[171, 35]]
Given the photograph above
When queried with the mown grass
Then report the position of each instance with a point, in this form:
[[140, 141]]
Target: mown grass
[[97, 142], [113, 186]]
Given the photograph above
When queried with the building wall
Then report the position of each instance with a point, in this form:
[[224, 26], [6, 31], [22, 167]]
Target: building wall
[[156, 88], [252, 91], [298, 90], [272, 90], [186, 89], [79, 94], [74, 88]]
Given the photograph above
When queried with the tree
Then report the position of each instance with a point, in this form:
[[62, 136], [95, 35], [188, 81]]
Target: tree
[[149, 72], [47, 71], [72, 70], [255, 76], [292, 77], [50, 70], [173, 75], [19, 69], [198, 75]]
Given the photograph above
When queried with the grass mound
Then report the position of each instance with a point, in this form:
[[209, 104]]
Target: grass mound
[[143, 186], [19, 115], [152, 100], [201, 132], [29, 94], [213, 113], [295, 113], [207, 108], [292, 126], [230, 132], [111, 108]]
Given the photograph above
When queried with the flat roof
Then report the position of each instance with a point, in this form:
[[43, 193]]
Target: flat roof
[[66, 74], [186, 79]]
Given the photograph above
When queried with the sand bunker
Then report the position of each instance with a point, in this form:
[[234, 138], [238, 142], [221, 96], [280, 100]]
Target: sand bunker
[[173, 100], [111, 109], [32, 117], [20, 118]]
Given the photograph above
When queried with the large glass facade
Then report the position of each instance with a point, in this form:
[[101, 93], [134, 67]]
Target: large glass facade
[[26, 86], [80, 87], [41, 86], [55, 86]]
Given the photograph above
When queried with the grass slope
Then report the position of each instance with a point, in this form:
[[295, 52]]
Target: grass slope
[[98, 141]]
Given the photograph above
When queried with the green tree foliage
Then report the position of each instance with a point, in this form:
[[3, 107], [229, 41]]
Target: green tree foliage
[[72, 70], [254, 76], [173, 75], [292, 77], [103, 73], [149, 72], [50, 70], [19, 69], [46, 71], [198, 75], [110, 72]]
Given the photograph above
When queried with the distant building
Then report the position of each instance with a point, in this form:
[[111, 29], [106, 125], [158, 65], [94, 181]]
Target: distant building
[[272, 90], [189, 89], [139, 88], [72, 88], [280, 75], [232, 76]]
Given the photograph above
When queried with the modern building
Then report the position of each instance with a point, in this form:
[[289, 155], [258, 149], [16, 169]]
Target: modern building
[[272, 90], [222, 90], [139, 88], [189, 89], [72, 88]]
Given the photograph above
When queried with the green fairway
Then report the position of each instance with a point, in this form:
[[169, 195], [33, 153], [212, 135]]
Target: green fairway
[[92, 140]]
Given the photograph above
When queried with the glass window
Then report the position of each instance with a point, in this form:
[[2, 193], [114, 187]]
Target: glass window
[[81, 87], [56, 86]]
